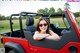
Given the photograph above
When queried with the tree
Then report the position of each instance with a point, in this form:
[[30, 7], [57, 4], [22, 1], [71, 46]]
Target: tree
[[52, 10], [66, 5], [2, 17], [41, 11], [77, 14], [46, 11], [7, 18], [59, 11]]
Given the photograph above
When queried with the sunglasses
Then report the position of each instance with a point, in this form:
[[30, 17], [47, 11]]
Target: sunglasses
[[42, 24]]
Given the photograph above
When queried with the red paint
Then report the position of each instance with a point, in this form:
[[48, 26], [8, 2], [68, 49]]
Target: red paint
[[34, 49], [73, 23], [24, 43]]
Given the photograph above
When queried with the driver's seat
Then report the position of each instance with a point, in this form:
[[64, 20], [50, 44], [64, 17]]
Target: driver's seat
[[30, 25]]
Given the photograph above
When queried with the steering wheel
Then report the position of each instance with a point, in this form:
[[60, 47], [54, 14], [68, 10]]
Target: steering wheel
[[63, 31]]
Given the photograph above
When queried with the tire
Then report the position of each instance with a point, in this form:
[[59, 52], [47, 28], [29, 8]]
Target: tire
[[12, 51]]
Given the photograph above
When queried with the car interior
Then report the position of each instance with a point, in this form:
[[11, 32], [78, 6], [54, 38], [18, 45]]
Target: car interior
[[29, 26]]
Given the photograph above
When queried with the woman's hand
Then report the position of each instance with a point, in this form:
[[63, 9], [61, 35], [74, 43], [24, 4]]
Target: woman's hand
[[38, 36], [53, 36]]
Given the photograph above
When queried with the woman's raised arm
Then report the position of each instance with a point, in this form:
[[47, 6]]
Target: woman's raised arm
[[38, 36]]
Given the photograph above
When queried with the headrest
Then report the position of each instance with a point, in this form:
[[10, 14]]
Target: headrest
[[29, 21]]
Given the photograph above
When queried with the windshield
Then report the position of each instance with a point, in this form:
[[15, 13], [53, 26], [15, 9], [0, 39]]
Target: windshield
[[66, 23], [77, 20]]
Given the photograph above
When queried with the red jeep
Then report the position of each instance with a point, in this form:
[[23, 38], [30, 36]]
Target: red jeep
[[21, 41]]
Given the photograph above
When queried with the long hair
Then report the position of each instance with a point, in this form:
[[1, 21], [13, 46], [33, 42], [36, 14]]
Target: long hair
[[38, 29]]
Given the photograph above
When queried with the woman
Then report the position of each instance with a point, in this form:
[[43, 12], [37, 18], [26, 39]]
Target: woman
[[44, 32]]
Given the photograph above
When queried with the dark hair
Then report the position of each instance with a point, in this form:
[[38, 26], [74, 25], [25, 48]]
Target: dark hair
[[38, 29]]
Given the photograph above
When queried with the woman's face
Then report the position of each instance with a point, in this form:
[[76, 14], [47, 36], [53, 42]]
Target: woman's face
[[43, 26]]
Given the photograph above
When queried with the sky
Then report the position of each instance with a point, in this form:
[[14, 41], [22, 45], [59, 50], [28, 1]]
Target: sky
[[13, 7]]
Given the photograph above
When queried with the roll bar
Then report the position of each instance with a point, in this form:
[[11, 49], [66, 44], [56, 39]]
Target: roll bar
[[27, 14]]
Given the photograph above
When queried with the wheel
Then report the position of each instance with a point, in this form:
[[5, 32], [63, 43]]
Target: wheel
[[12, 51]]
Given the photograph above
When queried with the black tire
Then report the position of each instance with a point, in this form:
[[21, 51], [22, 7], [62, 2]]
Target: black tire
[[12, 51]]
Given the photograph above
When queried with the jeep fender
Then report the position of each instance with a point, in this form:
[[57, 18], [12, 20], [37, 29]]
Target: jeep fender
[[15, 46]]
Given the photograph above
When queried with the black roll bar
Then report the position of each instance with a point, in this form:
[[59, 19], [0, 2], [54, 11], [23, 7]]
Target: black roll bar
[[25, 14], [12, 22], [20, 20]]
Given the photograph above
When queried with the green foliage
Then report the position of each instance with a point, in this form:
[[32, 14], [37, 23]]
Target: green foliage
[[41, 11], [8, 17], [66, 5], [77, 14], [46, 11], [24, 17], [36, 17], [52, 10], [0, 42], [59, 11], [2, 17]]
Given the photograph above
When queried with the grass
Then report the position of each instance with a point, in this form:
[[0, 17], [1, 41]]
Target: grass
[[0, 43], [57, 20], [5, 25]]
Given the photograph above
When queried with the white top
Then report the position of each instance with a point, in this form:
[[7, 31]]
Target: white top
[[52, 36]]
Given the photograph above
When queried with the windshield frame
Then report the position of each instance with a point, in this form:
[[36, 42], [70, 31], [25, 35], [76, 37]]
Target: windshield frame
[[74, 18], [73, 23]]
